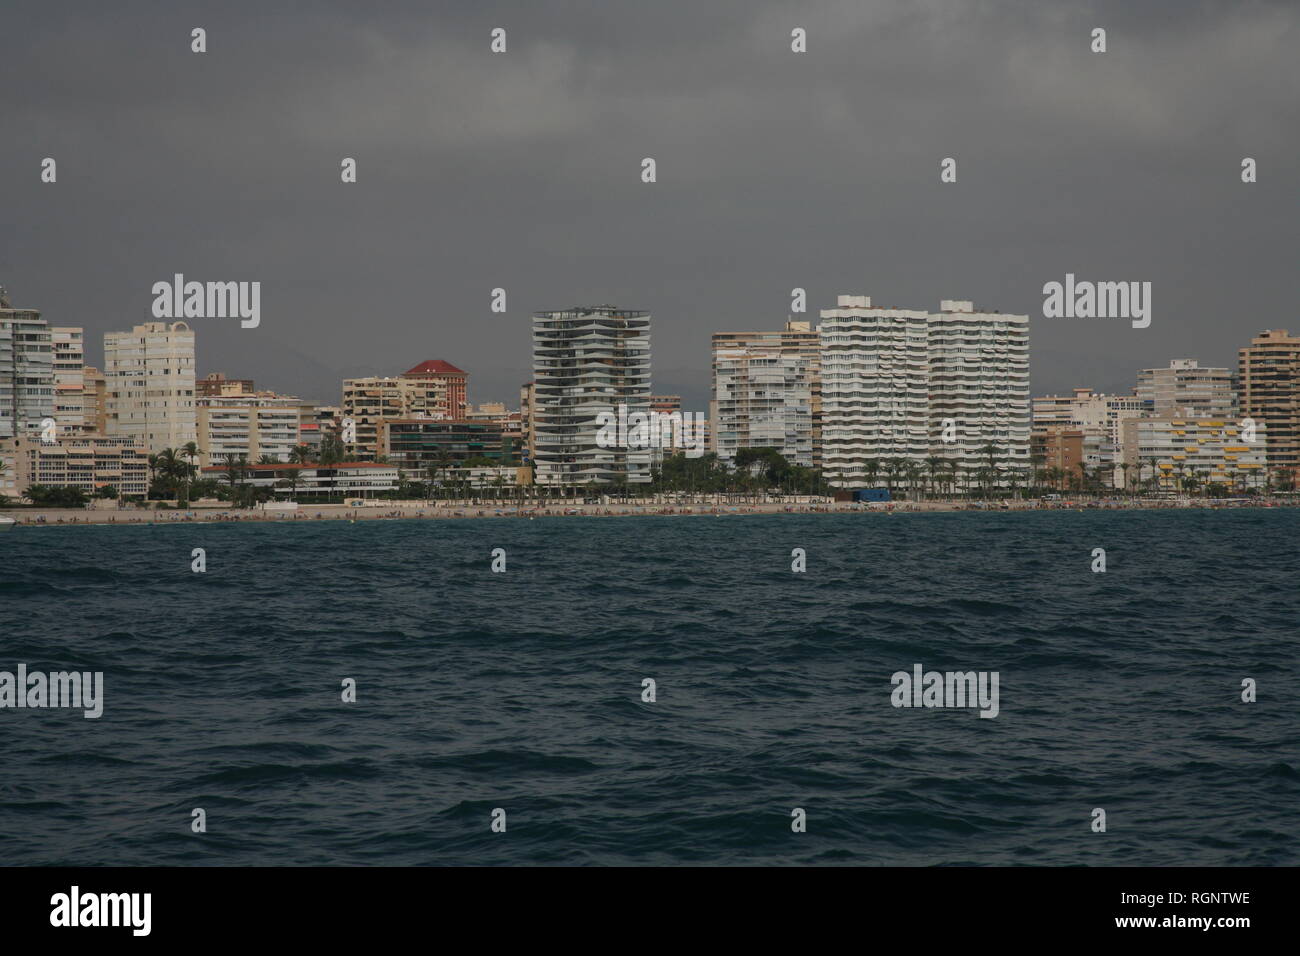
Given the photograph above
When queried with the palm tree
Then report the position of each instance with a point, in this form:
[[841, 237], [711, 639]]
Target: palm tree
[[300, 455], [933, 464], [872, 468], [292, 477]]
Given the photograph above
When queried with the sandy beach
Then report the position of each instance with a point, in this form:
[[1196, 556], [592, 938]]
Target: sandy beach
[[393, 511]]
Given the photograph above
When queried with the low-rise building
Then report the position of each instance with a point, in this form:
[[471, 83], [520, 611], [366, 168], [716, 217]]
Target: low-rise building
[[350, 479], [90, 462], [1170, 449]]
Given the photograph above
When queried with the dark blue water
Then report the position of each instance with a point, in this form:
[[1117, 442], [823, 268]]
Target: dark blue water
[[522, 691]]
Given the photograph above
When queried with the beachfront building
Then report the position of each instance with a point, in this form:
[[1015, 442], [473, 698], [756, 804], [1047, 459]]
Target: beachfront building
[[875, 390], [418, 444], [252, 425], [797, 339], [360, 479], [1098, 418], [1185, 389], [762, 398], [1268, 392], [370, 402], [70, 404], [1167, 450], [149, 377], [588, 360], [94, 400], [453, 382], [26, 370], [89, 462], [978, 370], [317, 421]]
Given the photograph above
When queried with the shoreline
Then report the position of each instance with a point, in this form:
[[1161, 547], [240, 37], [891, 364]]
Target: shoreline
[[78, 517]]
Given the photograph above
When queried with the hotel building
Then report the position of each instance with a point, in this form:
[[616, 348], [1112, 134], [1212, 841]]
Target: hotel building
[[1268, 391], [149, 376], [588, 360]]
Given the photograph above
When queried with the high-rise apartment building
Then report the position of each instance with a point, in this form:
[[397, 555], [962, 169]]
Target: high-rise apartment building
[[26, 370], [1186, 390], [901, 385], [979, 382], [762, 398], [94, 400], [799, 339], [588, 360], [1268, 392], [70, 382], [149, 377], [875, 388]]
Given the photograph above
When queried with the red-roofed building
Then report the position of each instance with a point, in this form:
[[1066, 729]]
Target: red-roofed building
[[456, 380]]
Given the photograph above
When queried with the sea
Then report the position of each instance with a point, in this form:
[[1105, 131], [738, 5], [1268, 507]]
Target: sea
[[504, 717]]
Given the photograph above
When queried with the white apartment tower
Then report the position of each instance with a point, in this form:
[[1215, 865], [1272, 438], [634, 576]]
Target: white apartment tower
[[979, 383], [875, 389], [26, 370], [149, 375], [900, 386], [588, 360]]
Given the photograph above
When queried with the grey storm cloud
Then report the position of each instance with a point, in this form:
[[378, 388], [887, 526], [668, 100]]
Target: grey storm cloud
[[522, 170]]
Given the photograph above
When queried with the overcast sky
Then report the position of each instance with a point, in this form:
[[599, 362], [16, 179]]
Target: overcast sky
[[522, 170]]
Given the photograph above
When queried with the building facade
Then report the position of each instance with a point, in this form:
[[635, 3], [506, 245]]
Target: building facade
[[1166, 450], [91, 463], [798, 339], [1268, 392], [875, 389], [149, 377], [26, 370], [256, 425], [1186, 390], [587, 361], [762, 398], [370, 402]]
